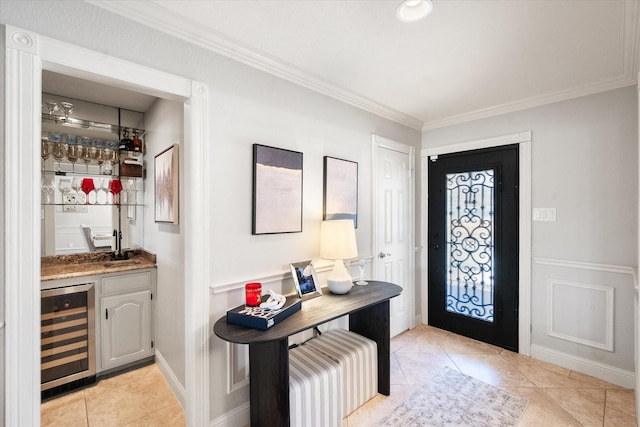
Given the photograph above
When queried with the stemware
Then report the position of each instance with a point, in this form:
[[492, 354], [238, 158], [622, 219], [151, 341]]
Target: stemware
[[48, 187], [87, 187], [51, 107], [74, 195], [45, 150], [73, 151], [67, 109], [88, 151], [100, 156], [137, 188], [115, 186], [109, 147], [58, 148], [101, 191], [361, 264]]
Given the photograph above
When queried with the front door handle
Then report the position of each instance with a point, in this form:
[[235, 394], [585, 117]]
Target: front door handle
[[383, 255]]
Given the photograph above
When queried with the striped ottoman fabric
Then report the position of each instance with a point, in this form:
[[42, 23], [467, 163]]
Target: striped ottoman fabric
[[315, 393], [358, 357]]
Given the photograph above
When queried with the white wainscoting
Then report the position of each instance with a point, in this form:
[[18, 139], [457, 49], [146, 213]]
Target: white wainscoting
[[237, 355], [592, 308], [583, 318]]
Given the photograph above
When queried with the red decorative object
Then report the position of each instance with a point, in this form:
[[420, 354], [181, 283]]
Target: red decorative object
[[253, 294], [87, 185]]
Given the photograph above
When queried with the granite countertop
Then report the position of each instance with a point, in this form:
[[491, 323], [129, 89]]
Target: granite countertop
[[88, 264]]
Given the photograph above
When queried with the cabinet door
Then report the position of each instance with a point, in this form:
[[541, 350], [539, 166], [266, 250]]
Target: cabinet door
[[125, 328]]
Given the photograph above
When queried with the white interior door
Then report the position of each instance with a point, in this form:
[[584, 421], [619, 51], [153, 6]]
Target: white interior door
[[393, 225]]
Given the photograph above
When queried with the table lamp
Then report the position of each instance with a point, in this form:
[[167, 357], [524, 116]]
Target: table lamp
[[338, 242]]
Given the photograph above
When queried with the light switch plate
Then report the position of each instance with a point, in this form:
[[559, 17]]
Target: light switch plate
[[544, 214]]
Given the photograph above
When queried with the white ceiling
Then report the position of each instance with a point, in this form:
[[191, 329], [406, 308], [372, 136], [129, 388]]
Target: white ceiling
[[469, 59]]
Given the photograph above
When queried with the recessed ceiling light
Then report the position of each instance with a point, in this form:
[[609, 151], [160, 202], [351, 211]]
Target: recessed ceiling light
[[413, 10]]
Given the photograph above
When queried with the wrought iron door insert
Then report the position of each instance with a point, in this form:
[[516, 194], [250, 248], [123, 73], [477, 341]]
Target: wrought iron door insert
[[469, 243]]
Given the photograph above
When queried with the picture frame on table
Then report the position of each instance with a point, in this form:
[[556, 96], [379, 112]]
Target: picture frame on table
[[340, 198], [277, 190], [166, 197], [305, 280]]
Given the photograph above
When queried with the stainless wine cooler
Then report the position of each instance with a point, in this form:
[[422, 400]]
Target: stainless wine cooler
[[67, 335]]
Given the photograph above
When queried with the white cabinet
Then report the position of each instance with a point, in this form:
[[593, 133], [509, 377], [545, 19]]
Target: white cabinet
[[126, 312]]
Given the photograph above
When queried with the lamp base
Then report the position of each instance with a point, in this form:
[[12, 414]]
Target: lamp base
[[339, 281], [339, 287]]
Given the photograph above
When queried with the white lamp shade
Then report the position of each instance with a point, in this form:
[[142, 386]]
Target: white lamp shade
[[338, 240]]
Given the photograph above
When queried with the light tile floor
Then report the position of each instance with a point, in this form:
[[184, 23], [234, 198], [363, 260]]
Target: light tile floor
[[557, 396], [139, 398]]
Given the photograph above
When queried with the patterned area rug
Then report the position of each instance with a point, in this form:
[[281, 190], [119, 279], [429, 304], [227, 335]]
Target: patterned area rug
[[455, 399]]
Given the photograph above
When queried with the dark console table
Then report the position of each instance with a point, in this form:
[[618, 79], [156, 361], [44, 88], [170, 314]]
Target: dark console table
[[368, 310]]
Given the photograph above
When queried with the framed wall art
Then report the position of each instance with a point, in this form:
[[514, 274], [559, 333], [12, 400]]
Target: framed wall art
[[166, 186], [305, 280], [277, 190], [340, 189]]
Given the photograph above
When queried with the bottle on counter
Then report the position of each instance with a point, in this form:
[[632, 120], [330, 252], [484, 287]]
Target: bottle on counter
[[137, 142]]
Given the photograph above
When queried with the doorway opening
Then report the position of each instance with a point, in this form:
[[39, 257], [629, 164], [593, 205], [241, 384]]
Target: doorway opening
[[27, 55], [473, 244], [523, 141]]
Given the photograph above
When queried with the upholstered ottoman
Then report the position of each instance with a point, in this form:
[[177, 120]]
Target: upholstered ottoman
[[358, 357], [315, 392]]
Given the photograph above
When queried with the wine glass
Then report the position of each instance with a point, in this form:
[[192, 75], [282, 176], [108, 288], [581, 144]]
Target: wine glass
[[88, 151], [48, 187], [73, 151], [67, 109], [99, 155], [137, 188], [361, 264], [57, 150], [102, 191], [109, 147], [115, 186], [51, 107], [87, 187], [45, 149], [75, 195]]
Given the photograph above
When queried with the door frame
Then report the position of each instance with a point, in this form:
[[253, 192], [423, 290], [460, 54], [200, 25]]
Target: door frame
[[27, 54], [379, 141], [523, 139]]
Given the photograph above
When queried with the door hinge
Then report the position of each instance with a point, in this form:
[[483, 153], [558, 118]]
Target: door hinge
[[151, 344], [106, 314], [151, 297]]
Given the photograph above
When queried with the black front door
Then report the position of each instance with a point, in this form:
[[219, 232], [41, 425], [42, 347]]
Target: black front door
[[473, 244]]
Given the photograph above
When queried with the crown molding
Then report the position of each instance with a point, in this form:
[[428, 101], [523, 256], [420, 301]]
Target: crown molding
[[155, 16], [532, 102], [152, 14]]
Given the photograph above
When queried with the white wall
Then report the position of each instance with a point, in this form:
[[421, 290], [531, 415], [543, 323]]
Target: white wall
[[584, 164], [164, 125], [246, 106]]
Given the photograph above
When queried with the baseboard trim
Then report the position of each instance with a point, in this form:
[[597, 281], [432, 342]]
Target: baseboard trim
[[608, 373], [417, 320], [237, 417], [174, 384]]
